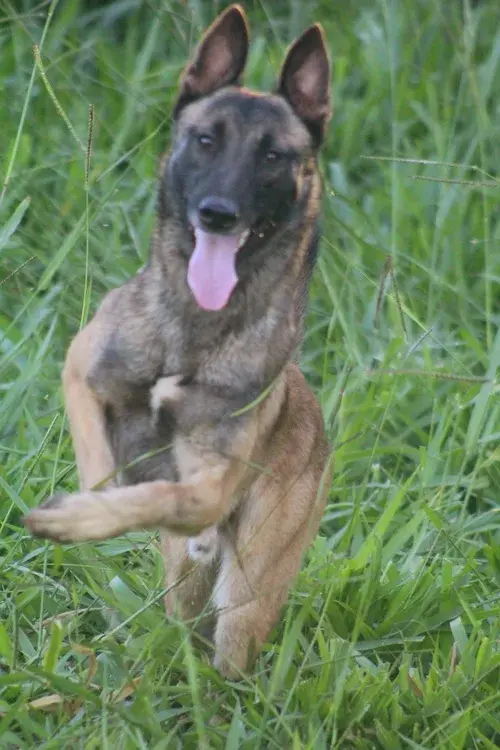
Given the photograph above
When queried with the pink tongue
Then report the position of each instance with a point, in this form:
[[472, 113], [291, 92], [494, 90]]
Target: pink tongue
[[211, 271]]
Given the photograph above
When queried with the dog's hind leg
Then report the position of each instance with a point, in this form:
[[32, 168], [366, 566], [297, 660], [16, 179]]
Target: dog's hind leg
[[271, 531], [259, 565]]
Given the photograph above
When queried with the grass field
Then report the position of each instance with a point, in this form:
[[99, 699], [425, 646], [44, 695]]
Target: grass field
[[391, 636]]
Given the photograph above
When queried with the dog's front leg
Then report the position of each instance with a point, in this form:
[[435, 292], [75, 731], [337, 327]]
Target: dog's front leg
[[91, 516], [85, 412], [202, 499]]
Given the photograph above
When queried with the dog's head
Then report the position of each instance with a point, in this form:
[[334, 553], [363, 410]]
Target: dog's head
[[238, 163]]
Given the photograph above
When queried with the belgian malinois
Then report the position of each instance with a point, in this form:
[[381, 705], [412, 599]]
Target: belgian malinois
[[196, 353]]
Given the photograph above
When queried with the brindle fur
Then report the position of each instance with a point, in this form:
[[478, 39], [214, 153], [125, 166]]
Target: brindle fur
[[238, 498]]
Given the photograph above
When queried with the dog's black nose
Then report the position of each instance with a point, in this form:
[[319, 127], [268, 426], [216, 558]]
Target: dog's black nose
[[218, 214]]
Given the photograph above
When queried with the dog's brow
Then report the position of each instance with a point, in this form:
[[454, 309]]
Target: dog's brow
[[249, 105], [260, 114]]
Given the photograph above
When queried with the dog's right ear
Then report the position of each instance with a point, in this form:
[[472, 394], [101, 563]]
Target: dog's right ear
[[219, 59]]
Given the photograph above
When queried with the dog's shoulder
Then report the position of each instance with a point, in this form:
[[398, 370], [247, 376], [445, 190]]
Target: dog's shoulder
[[130, 328]]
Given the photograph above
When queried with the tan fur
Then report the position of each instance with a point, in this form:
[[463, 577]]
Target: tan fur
[[237, 491], [278, 509], [94, 458], [264, 544]]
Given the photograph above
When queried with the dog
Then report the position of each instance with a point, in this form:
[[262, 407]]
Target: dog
[[187, 410]]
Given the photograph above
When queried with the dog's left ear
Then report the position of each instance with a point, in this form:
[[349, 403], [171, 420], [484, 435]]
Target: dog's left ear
[[305, 81], [219, 59]]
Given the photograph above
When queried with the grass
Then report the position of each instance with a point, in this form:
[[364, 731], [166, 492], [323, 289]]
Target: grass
[[391, 635]]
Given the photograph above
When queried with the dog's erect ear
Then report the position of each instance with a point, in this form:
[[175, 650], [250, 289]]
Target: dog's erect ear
[[305, 81], [219, 59]]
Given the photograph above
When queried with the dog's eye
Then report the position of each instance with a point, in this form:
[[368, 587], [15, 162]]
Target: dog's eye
[[205, 140], [272, 156]]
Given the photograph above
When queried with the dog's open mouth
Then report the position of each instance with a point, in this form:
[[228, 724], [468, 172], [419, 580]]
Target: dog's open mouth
[[212, 267]]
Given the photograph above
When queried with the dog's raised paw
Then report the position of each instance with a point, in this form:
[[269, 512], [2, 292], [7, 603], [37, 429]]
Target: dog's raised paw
[[66, 518], [45, 521]]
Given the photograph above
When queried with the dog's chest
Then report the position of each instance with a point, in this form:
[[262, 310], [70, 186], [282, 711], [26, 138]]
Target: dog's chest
[[195, 349], [125, 376], [142, 446]]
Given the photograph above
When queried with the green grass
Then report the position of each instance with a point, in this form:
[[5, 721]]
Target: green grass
[[391, 635]]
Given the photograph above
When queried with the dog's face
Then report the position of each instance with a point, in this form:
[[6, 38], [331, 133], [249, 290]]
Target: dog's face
[[238, 158]]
